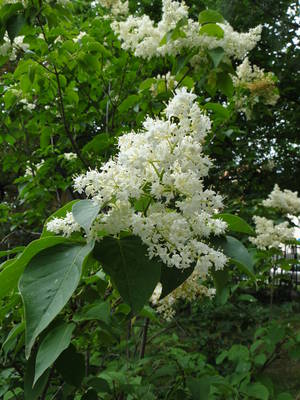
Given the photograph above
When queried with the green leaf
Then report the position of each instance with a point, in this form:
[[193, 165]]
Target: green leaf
[[235, 223], [147, 83], [55, 342], [61, 213], [10, 340], [258, 391], [99, 144], [225, 84], [128, 103], [99, 311], [85, 212], [131, 270], [71, 366], [210, 16], [220, 111], [33, 392], [284, 396], [212, 30], [17, 249], [14, 25], [47, 284], [199, 388], [11, 274], [171, 278], [238, 253], [216, 55], [220, 278]]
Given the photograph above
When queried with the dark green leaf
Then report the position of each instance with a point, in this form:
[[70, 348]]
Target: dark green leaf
[[71, 366], [171, 278], [127, 263], [14, 25], [199, 388], [33, 392], [55, 342], [11, 274], [47, 284]]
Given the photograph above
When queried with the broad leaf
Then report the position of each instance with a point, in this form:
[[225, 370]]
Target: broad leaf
[[216, 55], [235, 223], [85, 212], [47, 284], [238, 253], [212, 30], [127, 263], [171, 278], [71, 366], [33, 392], [210, 16], [11, 274], [55, 342], [14, 25]]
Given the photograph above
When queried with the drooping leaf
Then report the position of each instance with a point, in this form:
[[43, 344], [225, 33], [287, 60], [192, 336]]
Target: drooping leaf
[[85, 212], [126, 261], [11, 274], [47, 284], [171, 278], [71, 366], [225, 84], [54, 343], [33, 392], [238, 254], [97, 311], [216, 55], [9, 341], [14, 25]]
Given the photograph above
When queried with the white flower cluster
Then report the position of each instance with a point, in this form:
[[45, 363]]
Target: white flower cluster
[[143, 37], [27, 105], [286, 201], [70, 156], [270, 235], [68, 225], [10, 49], [188, 290], [260, 84], [154, 188], [116, 7]]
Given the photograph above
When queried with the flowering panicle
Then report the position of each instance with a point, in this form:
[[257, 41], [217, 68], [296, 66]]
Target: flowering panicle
[[286, 201], [144, 37], [116, 7], [161, 167], [260, 84], [189, 290], [270, 235]]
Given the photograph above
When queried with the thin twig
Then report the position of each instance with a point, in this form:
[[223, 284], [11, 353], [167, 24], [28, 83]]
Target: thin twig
[[144, 338]]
